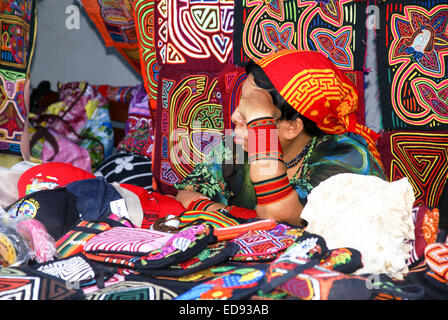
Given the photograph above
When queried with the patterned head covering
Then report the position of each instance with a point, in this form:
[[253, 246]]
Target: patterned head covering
[[318, 90]]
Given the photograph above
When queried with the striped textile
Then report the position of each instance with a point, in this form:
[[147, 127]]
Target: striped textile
[[263, 140], [272, 190], [73, 269], [73, 241], [215, 218], [125, 261]]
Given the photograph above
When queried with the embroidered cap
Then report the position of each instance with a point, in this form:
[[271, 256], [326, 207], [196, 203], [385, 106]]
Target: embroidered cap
[[49, 176]]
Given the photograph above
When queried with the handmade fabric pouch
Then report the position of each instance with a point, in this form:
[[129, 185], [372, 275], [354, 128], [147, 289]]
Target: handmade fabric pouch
[[436, 257], [344, 260], [216, 218], [182, 246], [231, 232], [305, 252], [437, 282], [76, 270], [265, 245], [181, 284], [72, 242], [426, 227], [25, 283], [214, 254], [132, 290], [139, 132], [319, 283], [236, 284], [128, 241], [93, 286]]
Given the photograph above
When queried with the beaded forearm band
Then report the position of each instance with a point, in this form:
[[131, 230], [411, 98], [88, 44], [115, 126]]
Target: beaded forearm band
[[263, 143], [200, 204], [272, 190]]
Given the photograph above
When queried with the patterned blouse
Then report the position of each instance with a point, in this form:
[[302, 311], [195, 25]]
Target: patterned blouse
[[327, 156]]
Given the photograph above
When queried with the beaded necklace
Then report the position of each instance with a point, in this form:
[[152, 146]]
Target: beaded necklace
[[292, 163]]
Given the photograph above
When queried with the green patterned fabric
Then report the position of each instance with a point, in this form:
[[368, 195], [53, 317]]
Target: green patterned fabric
[[328, 155]]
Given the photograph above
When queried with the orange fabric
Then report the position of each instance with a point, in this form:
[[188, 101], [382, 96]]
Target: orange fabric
[[116, 17], [318, 90], [232, 232]]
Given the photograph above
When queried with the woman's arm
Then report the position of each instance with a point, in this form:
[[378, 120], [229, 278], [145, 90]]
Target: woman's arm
[[187, 197], [275, 196]]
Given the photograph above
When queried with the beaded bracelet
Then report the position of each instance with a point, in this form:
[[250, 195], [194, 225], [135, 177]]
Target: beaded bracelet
[[200, 204], [263, 143], [272, 190]]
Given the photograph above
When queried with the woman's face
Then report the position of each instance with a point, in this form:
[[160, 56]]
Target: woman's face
[[254, 102], [239, 115], [240, 131]]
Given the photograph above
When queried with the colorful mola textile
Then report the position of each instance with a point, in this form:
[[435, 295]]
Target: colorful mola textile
[[412, 68], [336, 28], [420, 156], [190, 124], [144, 21], [357, 77], [194, 35], [18, 27], [115, 22], [230, 82], [132, 290], [24, 283]]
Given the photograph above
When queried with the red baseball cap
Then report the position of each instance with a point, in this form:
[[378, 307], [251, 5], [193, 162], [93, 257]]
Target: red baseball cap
[[49, 176], [155, 205]]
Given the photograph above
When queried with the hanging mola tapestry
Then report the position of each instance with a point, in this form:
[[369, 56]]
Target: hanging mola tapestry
[[336, 28], [193, 34], [114, 20], [144, 22], [412, 64], [420, 156], [190, 123], [18, 27]]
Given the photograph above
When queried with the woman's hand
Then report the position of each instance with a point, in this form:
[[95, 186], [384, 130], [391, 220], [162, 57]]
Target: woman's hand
[[256, 102], [186, 197]]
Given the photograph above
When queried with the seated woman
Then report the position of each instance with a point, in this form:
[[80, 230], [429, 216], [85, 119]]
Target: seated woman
[[296, 124]]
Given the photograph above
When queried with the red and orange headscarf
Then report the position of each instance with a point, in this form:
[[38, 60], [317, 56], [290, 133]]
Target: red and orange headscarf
[[318, 90]]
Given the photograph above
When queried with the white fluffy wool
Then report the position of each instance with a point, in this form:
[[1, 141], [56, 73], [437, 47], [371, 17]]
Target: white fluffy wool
[[366, 213]]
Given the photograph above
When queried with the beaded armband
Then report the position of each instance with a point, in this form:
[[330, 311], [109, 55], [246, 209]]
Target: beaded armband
[[199, 205], [263, 143], [272, 190]]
